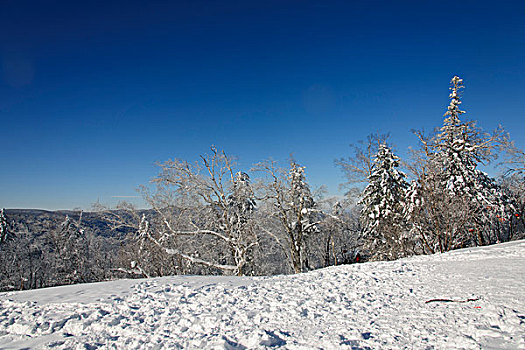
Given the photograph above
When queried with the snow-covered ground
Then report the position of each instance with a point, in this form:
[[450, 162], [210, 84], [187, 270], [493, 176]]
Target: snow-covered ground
[[366, 306]]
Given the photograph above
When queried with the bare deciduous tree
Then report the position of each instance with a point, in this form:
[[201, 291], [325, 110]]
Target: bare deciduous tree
[[211, 203]]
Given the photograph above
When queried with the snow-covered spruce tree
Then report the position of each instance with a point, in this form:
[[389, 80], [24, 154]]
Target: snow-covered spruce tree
[[382, 212], [294, 207], [5, 228], [204, 214], [453, 204]]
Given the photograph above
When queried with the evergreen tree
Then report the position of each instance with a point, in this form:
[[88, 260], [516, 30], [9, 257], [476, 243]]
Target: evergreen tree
[[302, 216], [381, 215], [241, 201], [453, 204], [456, 154], [460, 148], [292, 212], [5, 228], [241, 207]]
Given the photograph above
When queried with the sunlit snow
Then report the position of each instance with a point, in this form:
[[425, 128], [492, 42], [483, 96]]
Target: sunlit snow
[[360, 306]]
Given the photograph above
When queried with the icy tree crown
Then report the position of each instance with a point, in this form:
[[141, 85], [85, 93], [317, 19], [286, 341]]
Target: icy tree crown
[[453, 109], [385, 158], [241, 185], [242, 196], [300, 190], [242, 177], [454, 134]]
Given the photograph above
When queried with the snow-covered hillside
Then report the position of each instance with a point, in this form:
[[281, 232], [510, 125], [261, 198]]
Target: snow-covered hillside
[[364, 306]]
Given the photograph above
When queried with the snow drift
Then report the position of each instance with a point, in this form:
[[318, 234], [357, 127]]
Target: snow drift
[[363, 306]]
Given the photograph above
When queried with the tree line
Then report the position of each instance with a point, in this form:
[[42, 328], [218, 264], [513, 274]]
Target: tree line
[[210, 217]]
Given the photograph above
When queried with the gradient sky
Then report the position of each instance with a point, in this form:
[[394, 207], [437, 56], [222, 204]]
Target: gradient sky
[[92, 94]]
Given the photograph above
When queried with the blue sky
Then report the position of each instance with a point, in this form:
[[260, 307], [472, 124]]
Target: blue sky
[[93, 94]]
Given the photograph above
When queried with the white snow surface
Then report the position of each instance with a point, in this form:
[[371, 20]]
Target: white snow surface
[[377, 305]]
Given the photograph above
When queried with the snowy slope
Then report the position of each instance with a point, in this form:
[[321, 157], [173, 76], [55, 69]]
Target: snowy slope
[[371, 305]]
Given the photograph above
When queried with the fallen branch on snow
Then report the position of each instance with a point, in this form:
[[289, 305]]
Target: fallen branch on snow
[[451, 300]]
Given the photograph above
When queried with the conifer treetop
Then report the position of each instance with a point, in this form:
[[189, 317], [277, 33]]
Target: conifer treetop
[[455, 100]]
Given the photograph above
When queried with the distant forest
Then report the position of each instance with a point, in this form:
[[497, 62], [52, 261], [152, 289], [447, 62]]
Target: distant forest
[[209, 217]]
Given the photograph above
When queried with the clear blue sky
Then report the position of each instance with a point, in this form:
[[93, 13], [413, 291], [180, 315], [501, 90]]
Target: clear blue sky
[[92, 94]]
